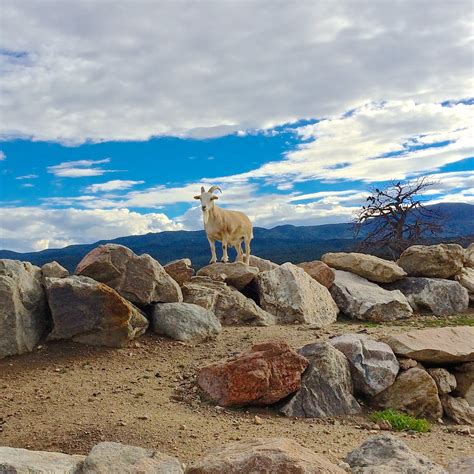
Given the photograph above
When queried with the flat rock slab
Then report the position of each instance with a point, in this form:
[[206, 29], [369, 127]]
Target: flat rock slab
[[263, 455], [387, 454], [361, 299], [185, 322], [436, 346], [92, 313], [23, 307], [139, 279], [180, 270], [373, 364], [439, 296], [111, 458], [367, 266], [237, 274], [326, 386], [290, 294], [23, 461], [318, 270], [264, 375], [262, 264], [433, 261]]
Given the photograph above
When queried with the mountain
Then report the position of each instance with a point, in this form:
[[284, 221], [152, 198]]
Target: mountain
[[280, 244]]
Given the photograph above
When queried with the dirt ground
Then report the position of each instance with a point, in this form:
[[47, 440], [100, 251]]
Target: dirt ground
[[67, 397]]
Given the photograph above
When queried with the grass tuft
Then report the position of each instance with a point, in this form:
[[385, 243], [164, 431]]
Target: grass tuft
[[401, 421]]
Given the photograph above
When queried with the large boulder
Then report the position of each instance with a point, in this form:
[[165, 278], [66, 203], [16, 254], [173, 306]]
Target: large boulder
[[387, 454], [262, 264], [445, 381], [437, 295], [433, 261], [465, 277], [185, 322], [465, 382], [236, 274], [326, 386], [373, 364], [367, 266], [361, 299], [180, 271], [23, 307], [435, 346], [318, 270], [461, 466], [458, 409], [139, 279], [292, 295], [469, 256], [54, 270], [110, 458], [92, 313], [414, 392], [264, 375], [269, 455], [23, 461], [228, 304]]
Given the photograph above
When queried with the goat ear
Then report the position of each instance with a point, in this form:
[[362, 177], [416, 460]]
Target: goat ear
[[197, 197], [214, 197]]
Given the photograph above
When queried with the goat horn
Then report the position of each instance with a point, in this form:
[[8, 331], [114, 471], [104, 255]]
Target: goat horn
[[214, 188], [203, 190]]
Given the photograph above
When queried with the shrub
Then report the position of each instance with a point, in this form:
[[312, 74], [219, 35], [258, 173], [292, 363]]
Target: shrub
[[401, 421]]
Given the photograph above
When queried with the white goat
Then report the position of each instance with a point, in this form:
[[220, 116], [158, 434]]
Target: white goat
[[229, 227]]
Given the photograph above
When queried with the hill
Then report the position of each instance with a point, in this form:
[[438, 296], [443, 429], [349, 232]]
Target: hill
[[280, 244]]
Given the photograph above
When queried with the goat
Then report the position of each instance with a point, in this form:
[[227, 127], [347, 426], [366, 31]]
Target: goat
[[226, 226]]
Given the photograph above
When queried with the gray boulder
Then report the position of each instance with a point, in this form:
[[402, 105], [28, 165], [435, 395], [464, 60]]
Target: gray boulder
[[465, 382], [326, 386], [116, 458], [292, 295], [23, 461], [54, 270], [458, 410], [373, 364], [445, 381], [185, 322], [469, 256], [461, 466], [387, 454], [92, 313], [139, 279], [228, 304], [439, 296], [361, 299], [23, 308], [237, 274], [180, 270], [262, 264]]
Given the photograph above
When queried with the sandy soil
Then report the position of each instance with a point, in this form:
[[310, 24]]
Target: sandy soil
[[67, 397]]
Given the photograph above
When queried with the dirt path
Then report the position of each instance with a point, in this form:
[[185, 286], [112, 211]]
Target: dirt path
[[67, 397]]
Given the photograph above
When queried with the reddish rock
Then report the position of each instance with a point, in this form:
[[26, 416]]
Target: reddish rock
[[180, 270], [321, 272], [266, 374]]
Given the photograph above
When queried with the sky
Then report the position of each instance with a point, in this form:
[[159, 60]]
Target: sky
[[113, 114]]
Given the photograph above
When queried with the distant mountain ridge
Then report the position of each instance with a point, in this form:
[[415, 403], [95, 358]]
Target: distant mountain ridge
[[280, 244]]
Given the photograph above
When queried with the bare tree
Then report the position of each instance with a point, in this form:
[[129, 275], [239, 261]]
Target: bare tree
[[395, 218]]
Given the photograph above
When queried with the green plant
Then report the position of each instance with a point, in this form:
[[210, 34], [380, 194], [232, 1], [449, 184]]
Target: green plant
[[401, 421]]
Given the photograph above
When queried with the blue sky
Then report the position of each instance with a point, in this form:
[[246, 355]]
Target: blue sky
[[112, 120]]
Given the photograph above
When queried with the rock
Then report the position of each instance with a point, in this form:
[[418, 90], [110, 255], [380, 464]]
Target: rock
[[262, 264], [54, 270], [139, 279], [469, 256], [433, 261], [109, 458], [361, 299], [326, 386], [290, 294], [319, 271], [266, 374], [237, 274], [373, 364], [436, 346], [465, 277], [229, 305], [185, 322], [439, 296], [92, 313], [23, 308], [264, 455], [367, 266], [458, 410], [180, 271], [406, 364], [23, 461], [445, 381], [388, 454], [414, 392], [461, 466], [465, 382]]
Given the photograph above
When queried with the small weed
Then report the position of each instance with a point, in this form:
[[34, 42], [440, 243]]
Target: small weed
[[401, 422]]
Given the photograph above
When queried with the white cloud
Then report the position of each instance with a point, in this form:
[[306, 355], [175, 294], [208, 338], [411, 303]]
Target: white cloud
[[79, 169], [114, 185], [208, 68], [2, 155], [28, 176]]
